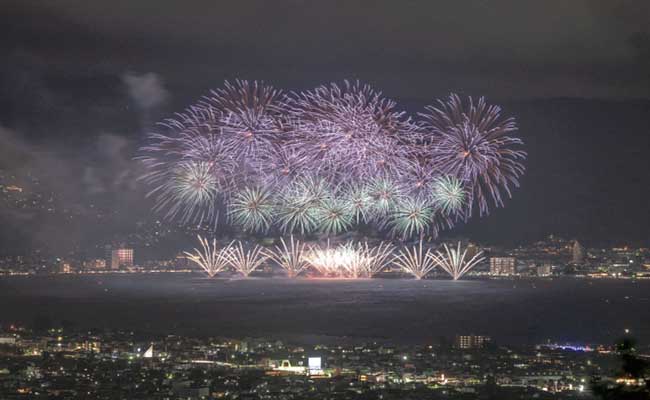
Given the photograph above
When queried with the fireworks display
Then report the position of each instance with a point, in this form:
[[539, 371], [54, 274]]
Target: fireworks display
[[448, 195], [453, 261], [471, 142], [252, 209], [330, 160], [290, 257], [246, 261], [350, 260], [347, 260], [211, 259], [410, 216], [416, 261]]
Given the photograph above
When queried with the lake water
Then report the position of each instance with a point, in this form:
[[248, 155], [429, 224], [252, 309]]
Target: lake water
[[401, 311]]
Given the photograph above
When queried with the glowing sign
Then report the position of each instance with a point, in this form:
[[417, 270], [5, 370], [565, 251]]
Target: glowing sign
[[314, 364]]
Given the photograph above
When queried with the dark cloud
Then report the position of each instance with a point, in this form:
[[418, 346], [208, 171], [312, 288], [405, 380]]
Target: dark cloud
[[62, 193], [146, 90], [83, 80], [502, 48]]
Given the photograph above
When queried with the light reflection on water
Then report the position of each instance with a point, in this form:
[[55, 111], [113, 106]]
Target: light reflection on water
[[522, 311]]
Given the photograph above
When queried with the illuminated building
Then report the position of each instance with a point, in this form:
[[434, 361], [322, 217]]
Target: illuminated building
[[577, 253], [96, 263], [10, 340], [121, 258], [314, 364], [503, 265], [471, 341], [544, 269], [286, 367], [148, 353], [66, 268]]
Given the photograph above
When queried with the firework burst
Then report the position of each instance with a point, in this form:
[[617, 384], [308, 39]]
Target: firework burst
[[333, 157], [379, 257], [411, 216], [355, 130], [246, 261], [333, 216], [297, 214], [280, 168], [453, 261], [448, 194], [350, 260], [247, 118], [190, 172], [472, 143], [290, 257], [342, 261], [252, 209], [357, 199], [385, 193], [415, 261], [418, 181], [211, 259], [299, 206], [190, 194], [326, 261]]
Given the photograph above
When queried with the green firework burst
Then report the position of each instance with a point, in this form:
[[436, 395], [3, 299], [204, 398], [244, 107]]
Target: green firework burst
[[252, 209]]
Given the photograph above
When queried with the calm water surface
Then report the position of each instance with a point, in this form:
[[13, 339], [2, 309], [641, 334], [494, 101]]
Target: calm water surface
[[402, 311]]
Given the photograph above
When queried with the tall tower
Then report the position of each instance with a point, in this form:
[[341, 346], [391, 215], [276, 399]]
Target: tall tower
[[577, 253]]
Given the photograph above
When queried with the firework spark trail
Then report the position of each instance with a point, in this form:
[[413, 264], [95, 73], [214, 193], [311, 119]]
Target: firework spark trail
[[290, 257], [246, 261], [350, 260], [454, 263], [209, 257], [379, 257], [342, 261], [353, 260], [326, 261], [415, 261]]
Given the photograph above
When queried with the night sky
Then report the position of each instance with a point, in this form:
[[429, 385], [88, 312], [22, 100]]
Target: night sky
[[83, 81]]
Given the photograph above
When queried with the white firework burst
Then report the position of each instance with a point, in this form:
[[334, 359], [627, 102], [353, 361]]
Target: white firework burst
[[379, 257], [454, 263], [290, 257], [246, 261], [210, 258], [415, 261]]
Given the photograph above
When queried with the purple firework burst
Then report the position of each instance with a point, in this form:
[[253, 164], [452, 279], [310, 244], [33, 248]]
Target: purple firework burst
[[472, 142], [352, 132]]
